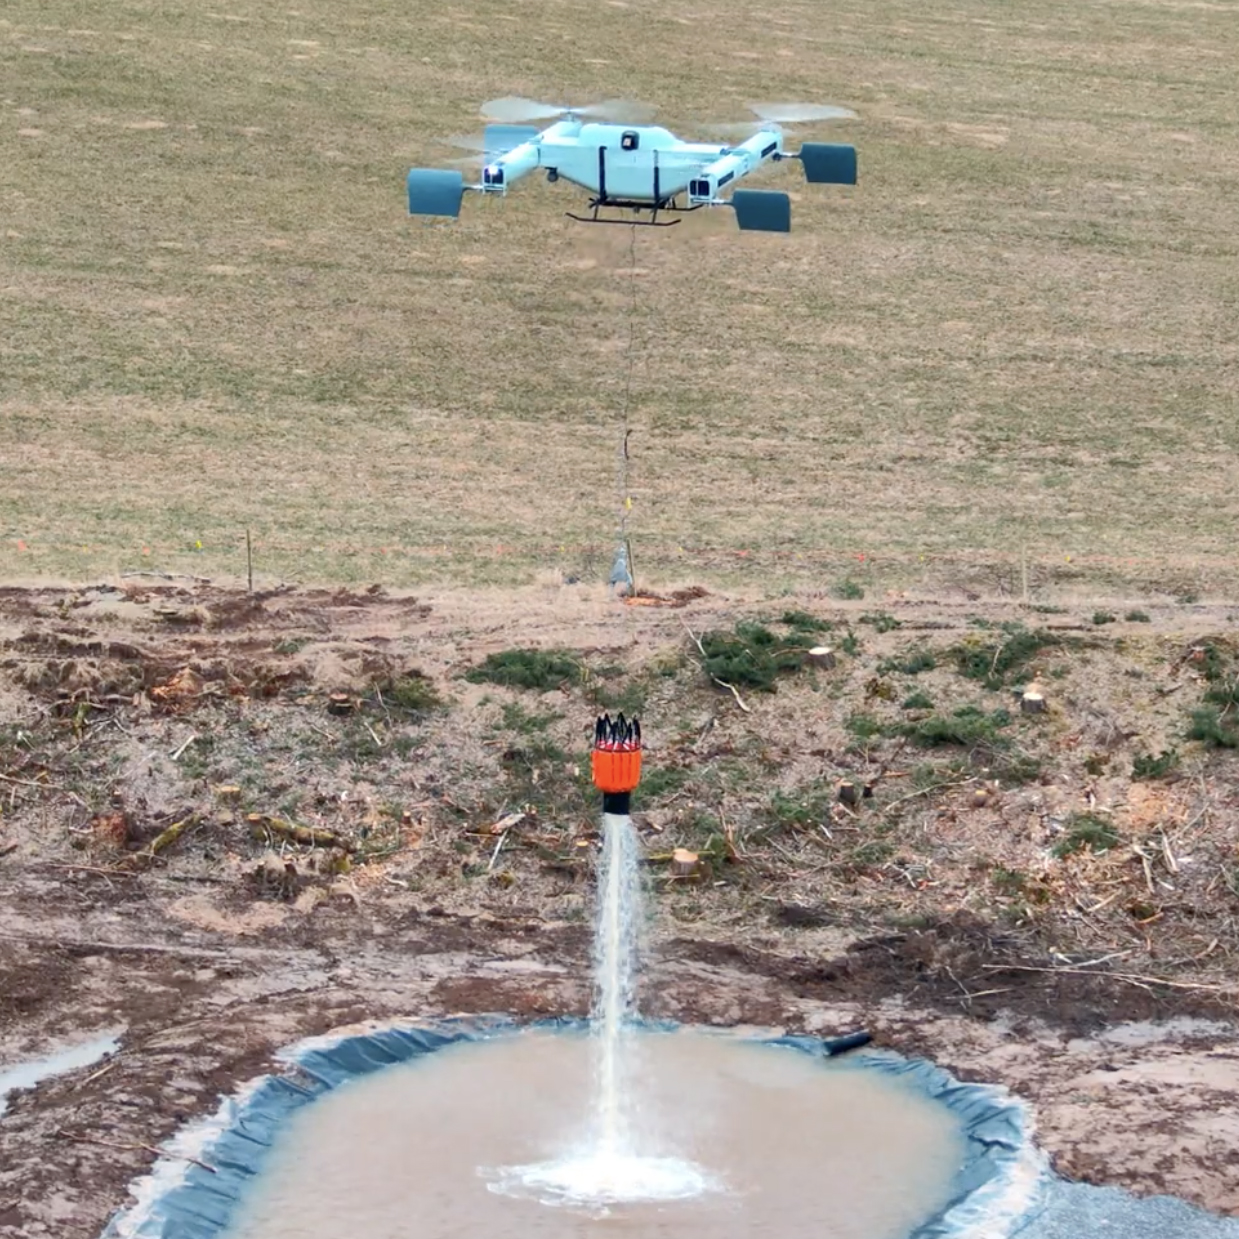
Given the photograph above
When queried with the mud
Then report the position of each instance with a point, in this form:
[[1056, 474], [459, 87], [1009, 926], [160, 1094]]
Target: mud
[[133, 706]]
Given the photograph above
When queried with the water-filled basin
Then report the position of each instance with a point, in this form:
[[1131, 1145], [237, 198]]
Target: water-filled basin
[[726, 1137]]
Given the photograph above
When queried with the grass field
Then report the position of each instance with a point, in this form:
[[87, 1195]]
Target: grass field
[[1014, 338]]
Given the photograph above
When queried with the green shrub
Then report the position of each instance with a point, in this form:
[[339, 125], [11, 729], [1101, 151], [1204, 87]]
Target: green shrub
[[1146, 766], [804, 622], [542, 670], [967, 726], [911, 662], [412, 693], [998, 660], [751, 656], [661, 781], [881, 621], [864, 727], [1207, 727], [1137, 617], [1103, 617], [1086, 830], [524, 722], [918, 701], [848, 590], [803, 808], [1224, 692]]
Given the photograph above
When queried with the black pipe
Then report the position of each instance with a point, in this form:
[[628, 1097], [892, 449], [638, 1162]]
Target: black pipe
[[619, 804], [840, 1045]]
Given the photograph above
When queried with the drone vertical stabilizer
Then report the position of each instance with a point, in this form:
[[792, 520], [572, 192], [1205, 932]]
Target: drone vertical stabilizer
[[435, 191], [829, 163], [762, 210]]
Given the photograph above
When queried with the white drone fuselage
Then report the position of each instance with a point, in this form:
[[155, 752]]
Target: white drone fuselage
[[641, 170], [644, 164]]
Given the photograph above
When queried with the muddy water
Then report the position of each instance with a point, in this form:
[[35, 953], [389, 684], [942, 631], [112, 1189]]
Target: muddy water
[[737, 1140], [28, 1074]]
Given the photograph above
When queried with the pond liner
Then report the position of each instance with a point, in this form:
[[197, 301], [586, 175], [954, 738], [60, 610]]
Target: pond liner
[[992, 1195]]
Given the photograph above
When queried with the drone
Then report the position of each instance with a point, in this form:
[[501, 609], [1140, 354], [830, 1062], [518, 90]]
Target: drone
[[631, 167]]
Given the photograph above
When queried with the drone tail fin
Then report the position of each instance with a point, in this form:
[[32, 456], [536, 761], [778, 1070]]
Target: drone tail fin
[[829, 163], [435, 191], [762, 210]]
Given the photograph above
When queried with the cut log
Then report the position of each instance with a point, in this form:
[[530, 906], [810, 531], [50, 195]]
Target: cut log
[[1033, 700], [822, 656], [165, 838], [848, 793], [311, 836]]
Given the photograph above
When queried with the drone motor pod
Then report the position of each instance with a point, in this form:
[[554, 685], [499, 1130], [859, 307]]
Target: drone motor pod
[[616, 761]]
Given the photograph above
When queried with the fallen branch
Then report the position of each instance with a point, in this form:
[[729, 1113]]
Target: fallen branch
[[180, 748], [166, 576], [1132, 978], [115, 872], [924, 791], [43, 787], [494, 856], [311, 836], [132, 1148]]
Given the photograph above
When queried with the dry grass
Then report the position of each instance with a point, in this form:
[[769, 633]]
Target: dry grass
[[1016, 333]]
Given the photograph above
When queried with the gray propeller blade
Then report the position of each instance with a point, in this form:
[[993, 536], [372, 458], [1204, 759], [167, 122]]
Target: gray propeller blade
[[467, 141], [621, 111], [800, 113], [513, 110]]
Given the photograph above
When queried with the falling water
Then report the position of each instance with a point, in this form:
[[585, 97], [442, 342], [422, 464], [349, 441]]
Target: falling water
[[620, 1161], [615, 957]]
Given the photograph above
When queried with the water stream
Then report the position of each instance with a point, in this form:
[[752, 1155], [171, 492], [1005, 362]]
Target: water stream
[[618, 1161], [615, 960]]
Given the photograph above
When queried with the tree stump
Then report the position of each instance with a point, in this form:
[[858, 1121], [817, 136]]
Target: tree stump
[[822, 656], [849, 794], [339, 703], [684, 864], [1033, 700]]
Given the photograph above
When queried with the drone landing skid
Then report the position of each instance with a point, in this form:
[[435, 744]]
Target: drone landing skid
[[666, 208]]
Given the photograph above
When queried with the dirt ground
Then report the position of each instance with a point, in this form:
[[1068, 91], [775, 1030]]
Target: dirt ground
[[1044, 900]]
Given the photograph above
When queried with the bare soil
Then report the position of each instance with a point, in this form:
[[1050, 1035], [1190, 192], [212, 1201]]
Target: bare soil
[[1099, 983]]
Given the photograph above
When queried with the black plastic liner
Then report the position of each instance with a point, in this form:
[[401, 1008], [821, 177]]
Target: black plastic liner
[[197, 1204]]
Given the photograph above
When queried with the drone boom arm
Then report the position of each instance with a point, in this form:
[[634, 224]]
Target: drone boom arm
[[509, 167], [737, 162]]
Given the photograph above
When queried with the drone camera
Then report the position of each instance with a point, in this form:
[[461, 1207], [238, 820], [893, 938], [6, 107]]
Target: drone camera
[[492, 174], [630, 139], [700, 190]]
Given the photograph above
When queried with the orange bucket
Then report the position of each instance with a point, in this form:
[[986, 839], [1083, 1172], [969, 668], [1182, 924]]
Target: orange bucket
[[616, 771], [616, 759]]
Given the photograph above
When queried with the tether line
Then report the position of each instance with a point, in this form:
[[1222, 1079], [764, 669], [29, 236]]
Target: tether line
[[623, 468]]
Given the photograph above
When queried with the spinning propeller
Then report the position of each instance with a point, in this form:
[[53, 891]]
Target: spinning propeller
[[799, 113], [513, 110], [784, 114]]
